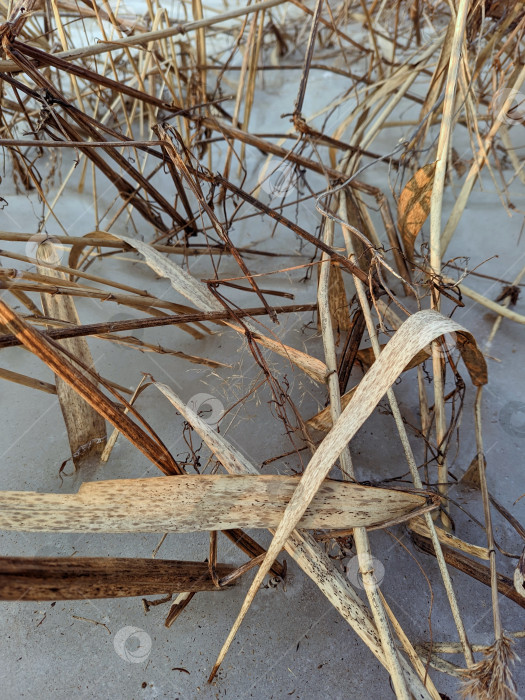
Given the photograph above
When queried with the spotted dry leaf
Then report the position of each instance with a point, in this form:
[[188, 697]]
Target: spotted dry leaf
[[414, 206]]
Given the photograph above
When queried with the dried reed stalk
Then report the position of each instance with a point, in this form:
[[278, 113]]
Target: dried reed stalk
[[366, 564], [492, 676], [436, 245]]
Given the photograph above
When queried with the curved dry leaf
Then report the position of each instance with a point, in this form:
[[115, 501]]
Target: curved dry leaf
[[303, 548], [417, 331], [76, 250], [180, 280], [472, 357], [414, 206], [367, 357]]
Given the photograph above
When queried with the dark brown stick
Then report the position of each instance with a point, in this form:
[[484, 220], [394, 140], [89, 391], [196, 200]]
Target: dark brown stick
[[508, 516], [8, 341], [176, 610], [470, 567], [242, 570], [65, 578], [253, 549]]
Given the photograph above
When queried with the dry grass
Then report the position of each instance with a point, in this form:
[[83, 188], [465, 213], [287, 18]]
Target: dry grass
[[153, 122]]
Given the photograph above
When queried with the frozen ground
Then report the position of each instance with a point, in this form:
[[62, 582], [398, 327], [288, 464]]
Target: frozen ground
[[293, 643]]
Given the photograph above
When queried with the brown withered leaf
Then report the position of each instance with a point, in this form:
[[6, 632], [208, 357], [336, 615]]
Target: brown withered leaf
[[86, 429], [473, 358], [337, 301], [414, 206], [471, 476], [76, 250]]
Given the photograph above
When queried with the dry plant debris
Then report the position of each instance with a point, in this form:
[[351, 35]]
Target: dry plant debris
[[151, 117]]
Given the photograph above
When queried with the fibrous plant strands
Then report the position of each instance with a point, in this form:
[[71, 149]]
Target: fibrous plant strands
[[190, 503]]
